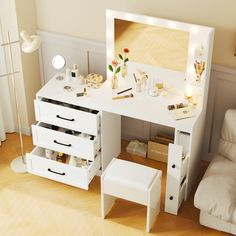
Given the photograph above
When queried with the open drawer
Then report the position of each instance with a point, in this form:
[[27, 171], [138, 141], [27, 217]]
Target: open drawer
[[70, 117], [76, 176], [59, 141]]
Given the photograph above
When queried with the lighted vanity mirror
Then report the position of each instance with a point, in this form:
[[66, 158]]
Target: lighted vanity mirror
[[152, 45], [168, 50]]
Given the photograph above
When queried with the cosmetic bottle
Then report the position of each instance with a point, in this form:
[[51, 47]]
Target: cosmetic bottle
[[68, 75], [74, 72]]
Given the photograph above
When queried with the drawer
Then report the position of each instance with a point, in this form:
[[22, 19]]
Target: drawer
[[176, 178], [67, 117], [59, 141], [174, 197], [79, 177], [177, 162]]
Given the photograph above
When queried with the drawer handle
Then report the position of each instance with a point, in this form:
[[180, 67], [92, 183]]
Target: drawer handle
[[171, 198], [63, 118], [63, 144], [173, 166], [54, 172]]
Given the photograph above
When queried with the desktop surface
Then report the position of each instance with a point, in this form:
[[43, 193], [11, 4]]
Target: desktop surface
[[141, 106]]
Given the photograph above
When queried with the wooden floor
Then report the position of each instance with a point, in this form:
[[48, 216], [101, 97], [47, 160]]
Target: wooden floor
[[31, 205]]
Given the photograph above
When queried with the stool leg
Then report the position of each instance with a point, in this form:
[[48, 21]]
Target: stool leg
[[106, 203], [106, 200], [153, 206]]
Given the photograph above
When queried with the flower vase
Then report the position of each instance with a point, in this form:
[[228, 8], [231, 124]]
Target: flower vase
[[114, 82], [124, 70]]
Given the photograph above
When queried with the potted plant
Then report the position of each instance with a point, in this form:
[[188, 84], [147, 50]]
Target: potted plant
[[125, 59], [113, 67]]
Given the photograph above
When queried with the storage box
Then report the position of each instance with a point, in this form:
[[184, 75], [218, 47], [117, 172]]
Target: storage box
[[157, 151], [137, 148]]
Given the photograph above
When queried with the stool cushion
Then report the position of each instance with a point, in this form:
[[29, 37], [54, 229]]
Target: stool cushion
[[130, 174]]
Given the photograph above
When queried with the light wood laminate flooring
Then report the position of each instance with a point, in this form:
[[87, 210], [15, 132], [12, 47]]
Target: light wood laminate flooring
[[31, 205]]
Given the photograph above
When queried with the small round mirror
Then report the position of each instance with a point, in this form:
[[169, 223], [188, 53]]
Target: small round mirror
[[58, 62]]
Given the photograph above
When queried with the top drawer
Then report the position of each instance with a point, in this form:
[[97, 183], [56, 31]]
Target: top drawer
[[67, 117]]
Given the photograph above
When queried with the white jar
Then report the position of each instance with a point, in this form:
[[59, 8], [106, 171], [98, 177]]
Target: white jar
[[73, 161]]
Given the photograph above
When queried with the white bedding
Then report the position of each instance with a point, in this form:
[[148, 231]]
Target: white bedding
[[216, 193]]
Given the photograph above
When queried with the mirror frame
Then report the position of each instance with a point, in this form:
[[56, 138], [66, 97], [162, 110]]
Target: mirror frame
[[56, 62], [198, 35]]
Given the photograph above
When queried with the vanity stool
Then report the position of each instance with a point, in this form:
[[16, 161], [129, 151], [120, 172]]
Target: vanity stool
[[133, 182]]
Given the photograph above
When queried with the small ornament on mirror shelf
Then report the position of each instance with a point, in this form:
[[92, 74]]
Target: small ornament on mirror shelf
[[189, 91], [199, 51], [199, 68], [125, 59], [113, 67]]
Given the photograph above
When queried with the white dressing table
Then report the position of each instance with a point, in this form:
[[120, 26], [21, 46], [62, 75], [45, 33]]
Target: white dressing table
[[100, 116]]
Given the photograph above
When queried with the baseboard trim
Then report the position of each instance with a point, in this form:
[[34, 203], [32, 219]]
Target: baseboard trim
[[25, 131]]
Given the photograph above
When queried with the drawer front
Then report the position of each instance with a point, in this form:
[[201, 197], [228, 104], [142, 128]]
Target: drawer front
[[65, 143], [67, 117], [175, 161], [175, 169], [75, 176]]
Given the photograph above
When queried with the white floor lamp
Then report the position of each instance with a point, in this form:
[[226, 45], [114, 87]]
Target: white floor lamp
[[29, 45]]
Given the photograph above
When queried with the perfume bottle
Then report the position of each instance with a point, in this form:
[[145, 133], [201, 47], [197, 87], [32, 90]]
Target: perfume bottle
[[68, 75], [74, 72]]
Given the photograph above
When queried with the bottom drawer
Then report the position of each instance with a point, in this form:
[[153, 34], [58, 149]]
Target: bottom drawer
[[76, 176]]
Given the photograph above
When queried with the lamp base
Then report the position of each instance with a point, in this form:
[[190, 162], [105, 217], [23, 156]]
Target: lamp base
[[18, 166]]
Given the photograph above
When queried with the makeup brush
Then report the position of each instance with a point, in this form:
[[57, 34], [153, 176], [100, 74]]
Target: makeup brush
[[135, 77], [124, 96]]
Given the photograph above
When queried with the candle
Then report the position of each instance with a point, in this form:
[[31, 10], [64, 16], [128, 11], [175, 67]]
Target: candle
[[188, 91]]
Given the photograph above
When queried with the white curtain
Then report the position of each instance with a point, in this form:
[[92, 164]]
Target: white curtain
[[6, 112]]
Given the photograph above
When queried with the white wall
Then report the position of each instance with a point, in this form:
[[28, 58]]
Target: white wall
[[26, 20], [86, 18], [9, 24], [16, 15]]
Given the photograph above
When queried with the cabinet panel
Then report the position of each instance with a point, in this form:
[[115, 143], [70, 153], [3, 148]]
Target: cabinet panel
[[67, 117], [176, 178], [65, 143], [76, 176]]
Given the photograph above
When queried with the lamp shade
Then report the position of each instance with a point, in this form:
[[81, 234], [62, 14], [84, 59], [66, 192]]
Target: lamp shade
[[30, 43]]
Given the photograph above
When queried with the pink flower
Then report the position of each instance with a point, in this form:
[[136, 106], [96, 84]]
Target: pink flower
[[114, 63]]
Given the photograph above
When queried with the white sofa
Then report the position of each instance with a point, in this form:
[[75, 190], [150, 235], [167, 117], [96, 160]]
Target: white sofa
[[216, 193]]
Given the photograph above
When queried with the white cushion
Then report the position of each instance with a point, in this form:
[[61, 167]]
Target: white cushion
[[216, 193], [130, 174], [227, 144], [227, 149]]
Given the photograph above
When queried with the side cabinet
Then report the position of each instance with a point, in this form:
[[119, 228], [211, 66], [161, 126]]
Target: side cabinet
[[177, 174]]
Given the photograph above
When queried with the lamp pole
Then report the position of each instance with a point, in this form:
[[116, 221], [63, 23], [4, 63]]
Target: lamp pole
[[16, 103], [29, 45], [18, 164]]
